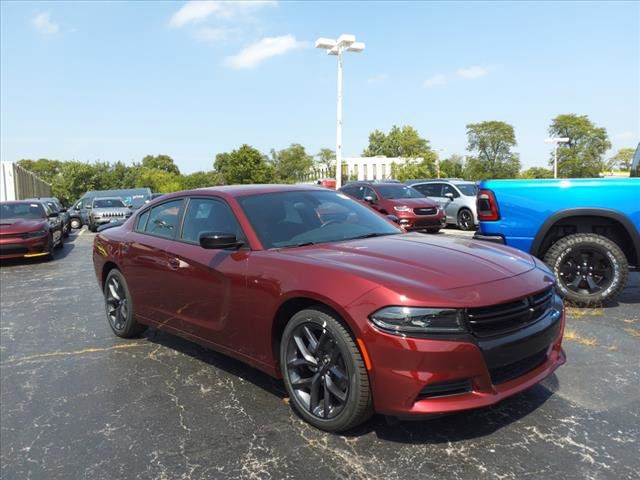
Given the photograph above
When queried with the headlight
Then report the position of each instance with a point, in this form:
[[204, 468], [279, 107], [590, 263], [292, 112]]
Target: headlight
[[39, 233], [419, 320], [403, 208]]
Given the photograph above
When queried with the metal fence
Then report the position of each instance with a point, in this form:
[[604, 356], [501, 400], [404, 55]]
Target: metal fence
[[17, 183]]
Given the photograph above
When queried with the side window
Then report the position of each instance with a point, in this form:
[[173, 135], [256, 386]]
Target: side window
[[142, 221], [358, 192], [429, 189], [446, 188], [208, 215], [368, 192], [163, 219]]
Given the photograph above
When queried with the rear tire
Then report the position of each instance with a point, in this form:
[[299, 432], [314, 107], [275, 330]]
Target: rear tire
[[119, 306], [318, 354], [590, 268]]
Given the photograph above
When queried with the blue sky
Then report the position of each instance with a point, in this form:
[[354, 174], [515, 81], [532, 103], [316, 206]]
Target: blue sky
[[117, 81]]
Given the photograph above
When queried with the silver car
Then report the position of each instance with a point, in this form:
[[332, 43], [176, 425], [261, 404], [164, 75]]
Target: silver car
[[107, 210], [456, 197]]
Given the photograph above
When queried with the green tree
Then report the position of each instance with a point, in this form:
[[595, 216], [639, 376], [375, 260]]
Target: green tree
[[537, 172], [201, 180], [621, 160], [452, 167], [244, 165], [44, 168], [491, 143], [413, 170], [583, 155], [161, 162], [326, 160], [399, 142], [291, 164]]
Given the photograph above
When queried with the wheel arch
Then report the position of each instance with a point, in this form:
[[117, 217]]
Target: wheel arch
[[106, 268], [614, 225]]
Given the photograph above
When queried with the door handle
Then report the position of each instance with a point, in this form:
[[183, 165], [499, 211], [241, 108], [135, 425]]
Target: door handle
[[174, 263]]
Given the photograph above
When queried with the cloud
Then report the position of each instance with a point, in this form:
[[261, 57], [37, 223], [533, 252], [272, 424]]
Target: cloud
[[379, 78], [213, 35], [258, 52], [195, 11], [474, 71], [436, 80], [42, 23]]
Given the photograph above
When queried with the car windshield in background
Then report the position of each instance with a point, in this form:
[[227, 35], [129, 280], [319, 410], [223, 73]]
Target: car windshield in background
[[468, 189], [108, 203], [287, 219], [21, 210], [398, 191]]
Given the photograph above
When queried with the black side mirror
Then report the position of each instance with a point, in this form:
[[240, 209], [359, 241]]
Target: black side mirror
[[449, 195], [369, 199], [63, 210], [130, 207], [393, 218], [219, 241]]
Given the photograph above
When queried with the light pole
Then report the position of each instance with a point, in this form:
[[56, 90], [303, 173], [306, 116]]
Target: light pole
[[556, 141], [344, 43]]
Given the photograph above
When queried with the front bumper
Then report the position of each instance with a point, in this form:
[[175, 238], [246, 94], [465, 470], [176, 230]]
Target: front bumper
[[104, 220], [422, 222], [24, 247], [488, 371]]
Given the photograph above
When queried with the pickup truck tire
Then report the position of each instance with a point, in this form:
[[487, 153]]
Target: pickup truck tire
[[590, 268]]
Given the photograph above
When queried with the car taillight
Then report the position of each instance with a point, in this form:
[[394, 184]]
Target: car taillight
[[487, 206]]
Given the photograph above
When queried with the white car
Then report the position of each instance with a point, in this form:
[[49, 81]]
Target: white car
[[456, 197]]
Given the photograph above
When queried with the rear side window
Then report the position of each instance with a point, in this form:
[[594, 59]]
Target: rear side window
[[142, 221], [429, 189], [208, 215], [446, 188], [163, 219]]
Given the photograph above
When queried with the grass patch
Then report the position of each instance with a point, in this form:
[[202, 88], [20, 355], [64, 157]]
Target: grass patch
[[576, 312], [634, 332], [573, 336]]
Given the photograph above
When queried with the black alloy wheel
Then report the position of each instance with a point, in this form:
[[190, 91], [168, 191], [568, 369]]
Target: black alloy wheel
[[119, 306], [589, 268], [323, 371], [465, 219]]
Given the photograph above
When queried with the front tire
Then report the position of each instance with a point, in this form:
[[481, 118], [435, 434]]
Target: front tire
[[465, 219], [76, 223], [590, 268], [119, 306], [324, 372]]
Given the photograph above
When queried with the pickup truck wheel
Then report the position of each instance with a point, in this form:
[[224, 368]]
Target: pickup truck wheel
[[465, 219], [590, 268], [76, 224]]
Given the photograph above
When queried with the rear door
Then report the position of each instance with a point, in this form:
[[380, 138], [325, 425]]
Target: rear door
[[147, 265], [451, 207], [208, 286]]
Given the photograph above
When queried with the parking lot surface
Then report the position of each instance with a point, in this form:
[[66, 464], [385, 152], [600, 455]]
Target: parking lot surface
[[78, 402]]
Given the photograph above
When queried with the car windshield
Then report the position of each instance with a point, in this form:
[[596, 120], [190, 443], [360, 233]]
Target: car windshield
[[108, 203], [297, 218], [468, 189], [398, 191], [22, 210]]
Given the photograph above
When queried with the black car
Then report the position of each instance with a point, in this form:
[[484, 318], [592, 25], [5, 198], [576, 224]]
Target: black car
[[56, 206]]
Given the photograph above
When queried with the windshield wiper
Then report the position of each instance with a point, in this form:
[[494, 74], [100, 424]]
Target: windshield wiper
[[370, 235], [303, 244]]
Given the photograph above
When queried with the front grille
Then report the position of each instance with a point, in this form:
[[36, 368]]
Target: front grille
[[444, 389], [425, 211], [509, 317], [516, 369], [11, 235]]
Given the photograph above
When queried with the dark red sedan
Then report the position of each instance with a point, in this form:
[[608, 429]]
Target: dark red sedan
[[28, 229], [354, 314]]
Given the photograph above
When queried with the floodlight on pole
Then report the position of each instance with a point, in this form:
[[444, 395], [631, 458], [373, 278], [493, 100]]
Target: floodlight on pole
[[344, 43], [556, 141]]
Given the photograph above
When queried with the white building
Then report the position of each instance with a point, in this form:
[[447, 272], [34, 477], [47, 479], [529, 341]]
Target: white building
[[373, 168]]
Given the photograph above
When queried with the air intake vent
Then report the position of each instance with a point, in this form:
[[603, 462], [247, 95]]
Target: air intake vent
[[445, 389]]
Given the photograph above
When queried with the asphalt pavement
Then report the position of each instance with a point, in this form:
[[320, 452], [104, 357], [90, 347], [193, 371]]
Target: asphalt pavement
[[77, 402]]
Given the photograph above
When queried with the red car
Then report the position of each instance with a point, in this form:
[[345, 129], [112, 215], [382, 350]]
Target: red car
[[28, 229], [353, 313], [413, 210]]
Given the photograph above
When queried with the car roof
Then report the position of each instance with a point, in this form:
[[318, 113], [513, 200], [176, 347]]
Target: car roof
[[108, 198], [454, 181], [243, 190]]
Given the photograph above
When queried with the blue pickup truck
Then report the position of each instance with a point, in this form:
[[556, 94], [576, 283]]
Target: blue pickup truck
[[586, 230]]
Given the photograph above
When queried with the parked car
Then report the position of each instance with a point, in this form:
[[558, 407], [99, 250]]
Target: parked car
[[353, 313], [28, 229], [136, 197], [586, 230], [56, 206], [456, 197], [413, 210], [106, 210]]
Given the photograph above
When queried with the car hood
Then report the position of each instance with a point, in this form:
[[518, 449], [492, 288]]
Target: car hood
[[419, 260], [20, 225], [412, 202]]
